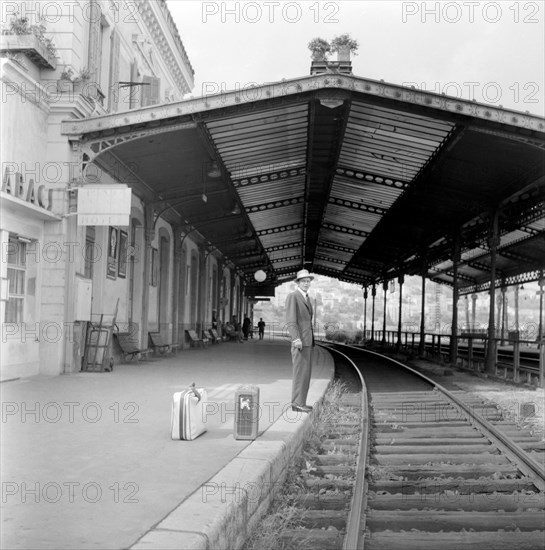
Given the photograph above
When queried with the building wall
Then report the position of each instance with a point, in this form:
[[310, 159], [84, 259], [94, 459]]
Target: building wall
[[25, 165], [77, 282]]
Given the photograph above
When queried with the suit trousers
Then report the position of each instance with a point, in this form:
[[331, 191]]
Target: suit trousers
[[302, 368]]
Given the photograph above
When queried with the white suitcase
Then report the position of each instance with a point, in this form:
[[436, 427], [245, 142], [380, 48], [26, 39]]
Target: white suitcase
[[187, 419]]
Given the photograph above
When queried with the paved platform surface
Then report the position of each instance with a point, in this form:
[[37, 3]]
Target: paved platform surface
[[87, 460]]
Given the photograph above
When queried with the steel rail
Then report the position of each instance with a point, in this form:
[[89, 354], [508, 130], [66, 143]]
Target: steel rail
[[355, 523], [518, 456]]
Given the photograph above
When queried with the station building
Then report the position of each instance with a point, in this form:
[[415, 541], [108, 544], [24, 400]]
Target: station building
[[120, 199], [72, 60]]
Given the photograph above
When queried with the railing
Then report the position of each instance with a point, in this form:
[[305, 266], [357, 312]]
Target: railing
[[519, 360]]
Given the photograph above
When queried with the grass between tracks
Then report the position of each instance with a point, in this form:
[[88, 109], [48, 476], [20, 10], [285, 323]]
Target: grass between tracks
[[283, 514]]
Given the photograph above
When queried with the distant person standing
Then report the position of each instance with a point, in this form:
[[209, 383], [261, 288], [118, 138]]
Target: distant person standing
[[238, 329], [299, 324], [246, 327], [261, 328], [214, 320]]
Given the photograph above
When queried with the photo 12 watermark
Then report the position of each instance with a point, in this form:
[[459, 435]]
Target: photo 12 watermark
[[53, 252], [89, 11], [267, 411], [472, 12], [72, 492], [482, 92], [452, 494], [449, 412], [270, 12], [53, 412], [34, 181], [237, 492]]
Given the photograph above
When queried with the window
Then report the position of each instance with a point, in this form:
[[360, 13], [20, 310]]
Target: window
[[134, 90], [16, 260], [98, 52], [150, 91], [96, 29], [98, 59], [154, 266], [90, 252], [113, 88]]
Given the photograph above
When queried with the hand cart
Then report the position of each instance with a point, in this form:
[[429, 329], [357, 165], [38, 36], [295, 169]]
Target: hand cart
[[97, 356]]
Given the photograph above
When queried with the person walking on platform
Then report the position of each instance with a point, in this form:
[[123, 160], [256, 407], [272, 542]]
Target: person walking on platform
[[299, 324], [261, 328]]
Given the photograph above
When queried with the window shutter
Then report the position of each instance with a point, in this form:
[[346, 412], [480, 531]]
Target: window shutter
[[133, 90], [95, 36], [151, 90], [113, 92]]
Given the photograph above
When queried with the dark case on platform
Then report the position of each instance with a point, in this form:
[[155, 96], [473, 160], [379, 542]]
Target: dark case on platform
[[246, 412]]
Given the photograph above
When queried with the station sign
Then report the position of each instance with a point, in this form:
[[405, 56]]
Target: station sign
[[104, 204], [14, 184]]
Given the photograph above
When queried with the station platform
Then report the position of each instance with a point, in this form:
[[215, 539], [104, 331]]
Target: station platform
[[87, 459]]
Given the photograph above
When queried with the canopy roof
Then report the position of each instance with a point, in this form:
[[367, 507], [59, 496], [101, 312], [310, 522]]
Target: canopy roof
[[352, 178]]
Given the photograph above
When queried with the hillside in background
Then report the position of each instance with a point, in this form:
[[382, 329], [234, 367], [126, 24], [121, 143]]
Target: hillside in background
[[342, 305]]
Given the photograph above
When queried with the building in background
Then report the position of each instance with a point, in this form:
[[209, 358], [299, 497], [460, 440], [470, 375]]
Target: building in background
[[65, 60]]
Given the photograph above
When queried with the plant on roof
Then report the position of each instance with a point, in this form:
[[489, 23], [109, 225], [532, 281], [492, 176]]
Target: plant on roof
[[83, 76], [20, 26], [17, 25], [67, 74], [344, 41], [319, 48]]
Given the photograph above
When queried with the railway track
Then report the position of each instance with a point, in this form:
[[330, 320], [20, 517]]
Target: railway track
[[316, 504], [324, 503], [415, 467], [440, 475]]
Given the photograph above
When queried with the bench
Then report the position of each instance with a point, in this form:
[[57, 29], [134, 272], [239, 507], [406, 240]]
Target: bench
[[214, 336], [159, 345], [128, 342], [194, 340]]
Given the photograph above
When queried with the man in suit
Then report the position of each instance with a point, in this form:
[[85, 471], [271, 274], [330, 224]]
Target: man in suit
[[299, 324]]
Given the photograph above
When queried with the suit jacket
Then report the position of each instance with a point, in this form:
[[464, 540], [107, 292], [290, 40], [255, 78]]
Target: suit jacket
[[299, 318]]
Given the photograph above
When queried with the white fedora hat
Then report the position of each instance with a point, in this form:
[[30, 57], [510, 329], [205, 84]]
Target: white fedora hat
[[303, 274]]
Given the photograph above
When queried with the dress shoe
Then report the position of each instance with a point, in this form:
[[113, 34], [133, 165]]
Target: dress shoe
[[301, 408]]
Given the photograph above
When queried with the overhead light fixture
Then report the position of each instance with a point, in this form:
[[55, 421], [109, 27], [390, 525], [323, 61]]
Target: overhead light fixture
[[260, 275], [204, 197], [331, 103], [214, 171]]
